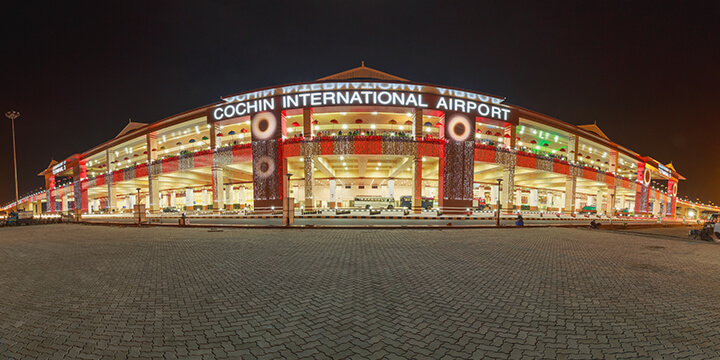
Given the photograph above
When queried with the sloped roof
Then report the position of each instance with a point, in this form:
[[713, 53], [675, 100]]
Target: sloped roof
[[593, 128], [362, 72], [52, 163], [131, 126], [670, 166]]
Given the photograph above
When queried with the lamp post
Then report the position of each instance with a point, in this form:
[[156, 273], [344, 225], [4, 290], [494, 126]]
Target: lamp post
[[12, 115], [497, 213]]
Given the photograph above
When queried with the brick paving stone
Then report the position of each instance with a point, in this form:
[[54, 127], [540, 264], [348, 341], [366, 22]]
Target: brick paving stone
[[88, 292]]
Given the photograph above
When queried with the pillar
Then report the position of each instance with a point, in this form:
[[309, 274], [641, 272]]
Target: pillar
[[154, 194], [308, 131], [241, 197], [599, 202], [508, 186], [518, 199], [533, 200], [132, 202], [333, 195], [229, 197], [613, 162], [672, 197], [573, 141], [417, 119], [204, 199], [570, 186], [173, 199], [112, 195], [417, 183], [642, 193], [610, 203], [560, 201], [189, 199], [494, 195], [218, 198], [549, 201], [510, 135], [309, 170], [391, 188]]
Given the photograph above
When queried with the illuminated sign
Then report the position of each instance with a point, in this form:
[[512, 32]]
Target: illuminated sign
[[364, 94], [664, 171], [59, 168]]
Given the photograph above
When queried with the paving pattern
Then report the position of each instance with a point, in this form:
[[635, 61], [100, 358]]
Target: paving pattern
[[86, 292]]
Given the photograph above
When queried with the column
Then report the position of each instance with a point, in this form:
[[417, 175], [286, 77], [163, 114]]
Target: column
[[508, 186], [218, 198], [241, 197], [573, 141], [417, 183], [112, 195], [599, 202], [642, 193], [417, 118], [391, 188], [154, 194], [570, 185], [518, 199], [189, 199], [560, 201], [613, 162], [494, 195], [132, 200], [308, 131], [204, 199], [309, 172], [578, 203], [229, 197], [510, 131], [153, 197], [549, 201], [610, 203], [533, 200], [173, 199], [333, 194], [672, 197]]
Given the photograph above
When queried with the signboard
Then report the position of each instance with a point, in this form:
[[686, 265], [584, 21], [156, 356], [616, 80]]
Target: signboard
[[363, 94], [664, 171]]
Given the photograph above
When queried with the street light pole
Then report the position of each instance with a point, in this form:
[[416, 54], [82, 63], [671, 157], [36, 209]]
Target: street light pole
[[497, 211], [12, 115]]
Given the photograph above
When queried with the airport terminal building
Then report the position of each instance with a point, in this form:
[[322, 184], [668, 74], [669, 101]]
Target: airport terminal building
[[360, 138]]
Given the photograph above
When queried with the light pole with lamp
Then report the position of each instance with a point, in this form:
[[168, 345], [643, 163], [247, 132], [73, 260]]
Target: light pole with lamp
[[497, 213], [12, 115]]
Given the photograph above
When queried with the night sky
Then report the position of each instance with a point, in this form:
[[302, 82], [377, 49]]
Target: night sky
[[647, 72]]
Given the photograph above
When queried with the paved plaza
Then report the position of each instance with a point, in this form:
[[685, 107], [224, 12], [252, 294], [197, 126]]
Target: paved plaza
[[83, 291]]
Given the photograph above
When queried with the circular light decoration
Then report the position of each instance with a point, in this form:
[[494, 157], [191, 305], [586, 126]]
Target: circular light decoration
[[646, 176], [673, 190], [459, 128], [264, 125], [265, 167]]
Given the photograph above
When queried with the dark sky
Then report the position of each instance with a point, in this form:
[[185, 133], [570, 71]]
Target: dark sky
[[647, 72]]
